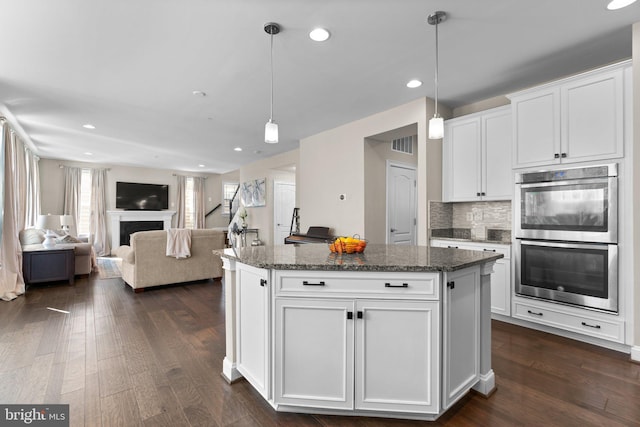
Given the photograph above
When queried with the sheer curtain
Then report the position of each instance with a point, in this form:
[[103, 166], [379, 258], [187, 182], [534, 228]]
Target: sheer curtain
[[98, 221], [198, 202], [33, 187], [72, 183], [180, 201], [11, 279]]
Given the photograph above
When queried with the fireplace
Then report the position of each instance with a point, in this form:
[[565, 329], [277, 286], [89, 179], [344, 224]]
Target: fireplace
[[127, 228], [142, 220]]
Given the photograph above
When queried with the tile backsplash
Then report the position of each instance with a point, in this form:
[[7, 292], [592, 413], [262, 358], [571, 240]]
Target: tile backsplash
[[474, 220]]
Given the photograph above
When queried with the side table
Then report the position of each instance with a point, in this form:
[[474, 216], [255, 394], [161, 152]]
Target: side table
[[48, 265]]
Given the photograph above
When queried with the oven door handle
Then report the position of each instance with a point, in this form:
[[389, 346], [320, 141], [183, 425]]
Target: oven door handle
[[581, 181], [554, 244]]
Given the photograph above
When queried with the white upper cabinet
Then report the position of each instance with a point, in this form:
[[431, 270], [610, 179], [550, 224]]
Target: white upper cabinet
[[577, 119], [477, 157]]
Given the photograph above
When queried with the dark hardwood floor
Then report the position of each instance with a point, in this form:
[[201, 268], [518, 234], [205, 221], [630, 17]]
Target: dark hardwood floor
[[154, 359]]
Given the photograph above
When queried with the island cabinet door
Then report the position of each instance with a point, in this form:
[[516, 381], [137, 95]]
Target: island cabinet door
[[397, 356], [461, 334], [314, 353], [252, 320]]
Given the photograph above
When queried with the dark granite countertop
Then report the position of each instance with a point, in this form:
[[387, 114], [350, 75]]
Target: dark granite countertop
[[395, 258]]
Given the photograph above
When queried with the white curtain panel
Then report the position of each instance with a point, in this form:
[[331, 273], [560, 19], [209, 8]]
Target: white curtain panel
[[33, 188], [198, 202], [11, 279], [72, 182], [180, 201], [98, 220]]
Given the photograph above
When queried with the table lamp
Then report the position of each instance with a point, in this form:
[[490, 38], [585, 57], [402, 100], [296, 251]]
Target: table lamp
[[49, 222], [66, 221]]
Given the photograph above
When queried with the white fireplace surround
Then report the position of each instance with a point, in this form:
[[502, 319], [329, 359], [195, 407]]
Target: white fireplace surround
[[118, 216]]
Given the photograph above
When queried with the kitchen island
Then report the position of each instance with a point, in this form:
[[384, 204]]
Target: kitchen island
[[397, 331]]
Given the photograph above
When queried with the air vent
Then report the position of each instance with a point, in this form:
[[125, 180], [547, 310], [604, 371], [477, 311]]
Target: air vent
[[403, 145]]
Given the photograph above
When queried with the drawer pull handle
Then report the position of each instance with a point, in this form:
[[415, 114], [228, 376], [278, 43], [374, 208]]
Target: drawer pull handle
[[389, 285], [591, 326], [489, 250], [360, 315], [452, 247], [305, 283], [263, 282], [534, 313], [451, 285], [350, 315]]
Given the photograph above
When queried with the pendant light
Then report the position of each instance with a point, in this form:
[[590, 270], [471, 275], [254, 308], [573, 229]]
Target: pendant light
[[436, 124], [271, 128]]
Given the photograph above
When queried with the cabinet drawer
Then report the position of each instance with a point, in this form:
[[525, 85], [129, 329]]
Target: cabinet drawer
[[327, 284], [612, 330], [472, 246]]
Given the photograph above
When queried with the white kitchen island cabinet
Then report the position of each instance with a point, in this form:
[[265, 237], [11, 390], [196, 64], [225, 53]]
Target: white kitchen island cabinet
[[397, 333]]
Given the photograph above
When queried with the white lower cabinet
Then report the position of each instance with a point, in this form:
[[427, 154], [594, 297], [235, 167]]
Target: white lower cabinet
[[252, 320], [357, 354], [501, 277], [460, 334], [314, 353]]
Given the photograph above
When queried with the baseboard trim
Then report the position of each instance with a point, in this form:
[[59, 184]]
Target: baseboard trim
[[635, 353], [230, 372], [487, 384]]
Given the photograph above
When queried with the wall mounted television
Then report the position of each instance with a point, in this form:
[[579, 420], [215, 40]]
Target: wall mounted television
[[142, 197]]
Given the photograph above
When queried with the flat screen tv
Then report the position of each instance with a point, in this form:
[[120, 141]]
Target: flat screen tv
[[142, 197]]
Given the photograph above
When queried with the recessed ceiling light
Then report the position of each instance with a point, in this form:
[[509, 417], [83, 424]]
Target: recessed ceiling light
[[200, 166], [619, 4], [414, 84], [88, 126], [237, 149], [198, 93], [88, 153], [319, 34]]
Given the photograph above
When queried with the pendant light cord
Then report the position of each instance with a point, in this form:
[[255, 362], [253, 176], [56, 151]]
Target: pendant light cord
[[271, 108], [436, 77]]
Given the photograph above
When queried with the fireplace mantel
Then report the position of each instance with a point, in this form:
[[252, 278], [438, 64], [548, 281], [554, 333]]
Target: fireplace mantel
[[117, 216]]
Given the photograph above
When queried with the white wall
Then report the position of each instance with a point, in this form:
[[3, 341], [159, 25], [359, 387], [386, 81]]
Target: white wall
[[333, 163], [52, 185], [636, 189]]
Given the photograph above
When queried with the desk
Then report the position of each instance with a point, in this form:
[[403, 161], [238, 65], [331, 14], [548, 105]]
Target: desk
[[48, 265]]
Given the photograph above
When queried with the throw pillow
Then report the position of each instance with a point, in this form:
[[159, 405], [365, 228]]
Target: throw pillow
[[68, 239], [31, 236]]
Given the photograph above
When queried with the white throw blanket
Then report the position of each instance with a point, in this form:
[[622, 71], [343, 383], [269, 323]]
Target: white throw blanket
[[179, 242]]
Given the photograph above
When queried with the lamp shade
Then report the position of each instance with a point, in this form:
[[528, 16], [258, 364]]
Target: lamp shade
[[49, 222], [271, 132], [436, 128], [66, 220]]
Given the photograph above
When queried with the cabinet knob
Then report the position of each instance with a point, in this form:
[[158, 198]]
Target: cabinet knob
[[263, 282], [483, 194], [556, 156], [349, 315], [478, 194], [360, 315], [563, 155], [451, 285]]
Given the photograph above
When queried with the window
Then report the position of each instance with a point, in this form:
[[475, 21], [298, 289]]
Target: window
[[85, 203], [228, 191], [189, 208]]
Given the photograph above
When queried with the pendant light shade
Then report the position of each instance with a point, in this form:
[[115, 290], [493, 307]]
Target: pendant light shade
[[436, 127], [271, 132], [271, 128], [436, 124]]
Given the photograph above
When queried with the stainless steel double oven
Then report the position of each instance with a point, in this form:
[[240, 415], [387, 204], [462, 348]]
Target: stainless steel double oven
[[566, 228]]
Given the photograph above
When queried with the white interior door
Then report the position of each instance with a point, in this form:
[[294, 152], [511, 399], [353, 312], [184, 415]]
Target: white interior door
[[401, 205], [284, 200]]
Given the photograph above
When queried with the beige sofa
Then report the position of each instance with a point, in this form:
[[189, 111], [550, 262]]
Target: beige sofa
[[145, 264], [32, 238]]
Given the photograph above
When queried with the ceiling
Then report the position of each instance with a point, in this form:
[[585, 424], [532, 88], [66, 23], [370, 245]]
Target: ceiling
[[130, 67]]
